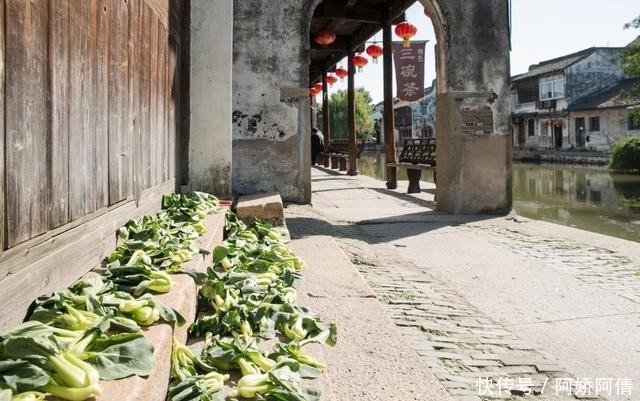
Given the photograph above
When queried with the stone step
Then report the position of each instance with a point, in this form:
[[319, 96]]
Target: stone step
[[182, 297]]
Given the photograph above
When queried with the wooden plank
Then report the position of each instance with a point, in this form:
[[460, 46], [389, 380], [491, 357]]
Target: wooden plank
[[135, 66], [27, 186], [82, 199], [101, 102], [172, 128], [119, 146], [2, 134], [153, 105], [161, 138], [59, 153], [145, 97], [58, 267], [160, 9]]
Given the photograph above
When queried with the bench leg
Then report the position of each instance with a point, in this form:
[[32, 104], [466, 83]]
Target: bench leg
[[334, 162], [327, 161], [343, 164], [414, 181]]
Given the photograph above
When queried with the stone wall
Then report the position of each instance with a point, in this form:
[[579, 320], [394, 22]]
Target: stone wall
[[596, 72], [271, 137]]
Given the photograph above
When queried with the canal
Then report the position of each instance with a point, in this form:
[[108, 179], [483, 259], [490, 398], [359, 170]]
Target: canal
[[585, 197]]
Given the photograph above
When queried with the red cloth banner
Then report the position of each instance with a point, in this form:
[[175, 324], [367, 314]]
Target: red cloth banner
[[409, 65]]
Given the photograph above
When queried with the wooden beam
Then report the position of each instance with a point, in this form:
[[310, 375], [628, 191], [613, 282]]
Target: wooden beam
[[351, 116], [326, 124], [389, 137]]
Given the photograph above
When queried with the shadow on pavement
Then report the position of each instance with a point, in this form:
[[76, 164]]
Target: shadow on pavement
[[380, 230]]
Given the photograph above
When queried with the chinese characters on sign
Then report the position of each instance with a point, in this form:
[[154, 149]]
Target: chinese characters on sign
[[409, 64]]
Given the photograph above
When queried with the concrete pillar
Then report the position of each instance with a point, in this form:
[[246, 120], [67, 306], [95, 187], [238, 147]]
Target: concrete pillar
[[209, 152]]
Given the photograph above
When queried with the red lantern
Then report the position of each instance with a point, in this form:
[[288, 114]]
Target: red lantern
[[360, 61], [341, 72], [374, 51], [324, 38], [318, 87], [313, 91], [331, 79], [406, 31]]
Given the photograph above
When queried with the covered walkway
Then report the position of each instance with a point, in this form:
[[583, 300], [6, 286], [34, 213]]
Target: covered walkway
[[486, 296]]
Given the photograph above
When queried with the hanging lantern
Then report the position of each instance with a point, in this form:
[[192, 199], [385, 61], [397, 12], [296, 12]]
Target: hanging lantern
[[324, 38], [406, 31], [318, 87], [374, 51], [313, 91], [360, 61], [341, 72], [331, 79]]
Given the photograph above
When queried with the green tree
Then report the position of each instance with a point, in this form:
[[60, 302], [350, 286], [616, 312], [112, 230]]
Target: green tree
[[338, 114], [631, 67]]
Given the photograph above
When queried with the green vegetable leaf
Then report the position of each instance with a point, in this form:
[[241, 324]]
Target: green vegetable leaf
[[20, 375], [121, 356]]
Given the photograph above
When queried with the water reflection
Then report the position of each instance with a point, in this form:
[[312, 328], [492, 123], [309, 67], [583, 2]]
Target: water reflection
[[584, 197]]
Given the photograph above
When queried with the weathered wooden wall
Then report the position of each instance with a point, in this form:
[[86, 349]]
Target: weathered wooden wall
[[92, 110]]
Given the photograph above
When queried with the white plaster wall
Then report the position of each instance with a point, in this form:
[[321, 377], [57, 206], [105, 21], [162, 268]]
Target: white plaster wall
[[210, 98], [613, 126]]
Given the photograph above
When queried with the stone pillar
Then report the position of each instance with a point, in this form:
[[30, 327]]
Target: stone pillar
[[473, 128], [209, 162]]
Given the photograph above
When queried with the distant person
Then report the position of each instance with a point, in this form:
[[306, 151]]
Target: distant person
[[317, 144]]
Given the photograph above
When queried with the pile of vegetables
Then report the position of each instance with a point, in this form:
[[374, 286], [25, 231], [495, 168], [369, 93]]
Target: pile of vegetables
[[253, 329], [91, 331]]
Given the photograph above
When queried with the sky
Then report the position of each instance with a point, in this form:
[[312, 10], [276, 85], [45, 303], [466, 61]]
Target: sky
[[541, 30]]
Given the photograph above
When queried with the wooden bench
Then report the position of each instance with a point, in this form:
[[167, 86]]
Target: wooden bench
[[339, 153], [417, 155]]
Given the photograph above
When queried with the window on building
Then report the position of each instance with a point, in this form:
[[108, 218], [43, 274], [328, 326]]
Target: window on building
[[594, 124], [633, 123], [531, 131], [552, 88]]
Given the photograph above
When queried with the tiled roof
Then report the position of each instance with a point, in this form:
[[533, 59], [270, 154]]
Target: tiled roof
[[606, 98], [554, 65]]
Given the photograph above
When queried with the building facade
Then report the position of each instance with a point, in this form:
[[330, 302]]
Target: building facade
[[571, 102]]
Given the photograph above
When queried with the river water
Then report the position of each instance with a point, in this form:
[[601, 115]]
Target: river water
[[586, 197]]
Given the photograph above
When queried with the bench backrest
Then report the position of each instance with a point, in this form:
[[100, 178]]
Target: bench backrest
[[341, 146], [419, 151]]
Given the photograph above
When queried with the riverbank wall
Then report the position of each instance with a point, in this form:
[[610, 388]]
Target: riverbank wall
[[564, 157]]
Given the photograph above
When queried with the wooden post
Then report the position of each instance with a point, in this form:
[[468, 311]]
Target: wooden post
[[326, 124], [351, 116], [2, 130], [389, 140]]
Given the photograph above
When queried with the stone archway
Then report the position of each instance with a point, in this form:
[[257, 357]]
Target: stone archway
[[271, 129]]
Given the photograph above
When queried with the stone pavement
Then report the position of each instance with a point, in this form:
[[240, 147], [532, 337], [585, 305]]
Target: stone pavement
[[547, 311]]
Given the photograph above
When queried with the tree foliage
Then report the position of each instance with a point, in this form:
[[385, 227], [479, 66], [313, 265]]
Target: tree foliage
[[338, 114], [625, 155], [631, 67]]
